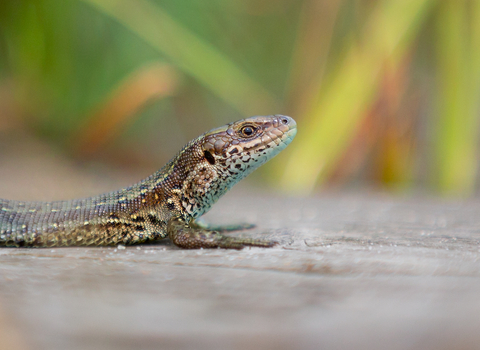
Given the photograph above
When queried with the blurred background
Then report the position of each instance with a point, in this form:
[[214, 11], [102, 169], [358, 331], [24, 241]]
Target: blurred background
[[385, 93]]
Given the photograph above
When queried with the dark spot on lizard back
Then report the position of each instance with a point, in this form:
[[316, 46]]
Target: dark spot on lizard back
[[209, 157], [138, 219], [153, 219]]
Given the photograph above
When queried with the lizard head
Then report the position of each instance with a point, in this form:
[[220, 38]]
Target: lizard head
[[227, 154], [240, 147]]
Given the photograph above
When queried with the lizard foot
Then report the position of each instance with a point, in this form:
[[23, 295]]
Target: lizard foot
[[185, 236]]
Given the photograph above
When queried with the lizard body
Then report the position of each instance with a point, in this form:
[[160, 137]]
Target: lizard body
[[164, 204]]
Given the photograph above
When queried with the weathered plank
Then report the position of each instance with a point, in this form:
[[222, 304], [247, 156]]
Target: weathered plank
[[353, 271]]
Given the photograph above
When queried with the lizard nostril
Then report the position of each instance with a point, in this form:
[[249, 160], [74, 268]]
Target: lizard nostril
[[284, 120]]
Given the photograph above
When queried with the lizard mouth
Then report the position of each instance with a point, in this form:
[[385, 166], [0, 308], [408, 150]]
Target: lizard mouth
[[277, 135]]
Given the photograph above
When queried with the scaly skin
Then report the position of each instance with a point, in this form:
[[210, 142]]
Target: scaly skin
[[164, 204]]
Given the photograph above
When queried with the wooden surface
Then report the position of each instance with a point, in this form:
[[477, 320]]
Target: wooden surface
[[353, 271]]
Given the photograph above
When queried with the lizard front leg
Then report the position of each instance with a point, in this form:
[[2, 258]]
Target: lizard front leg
[[188, 237]]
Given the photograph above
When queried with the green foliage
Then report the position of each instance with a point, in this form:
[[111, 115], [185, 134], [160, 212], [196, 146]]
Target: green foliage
[[383, 91]]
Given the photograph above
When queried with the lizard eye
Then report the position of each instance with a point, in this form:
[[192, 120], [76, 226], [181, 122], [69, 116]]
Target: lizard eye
[[247, 131]]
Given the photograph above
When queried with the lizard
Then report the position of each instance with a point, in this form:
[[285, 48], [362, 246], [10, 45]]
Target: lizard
[[166, 204]]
